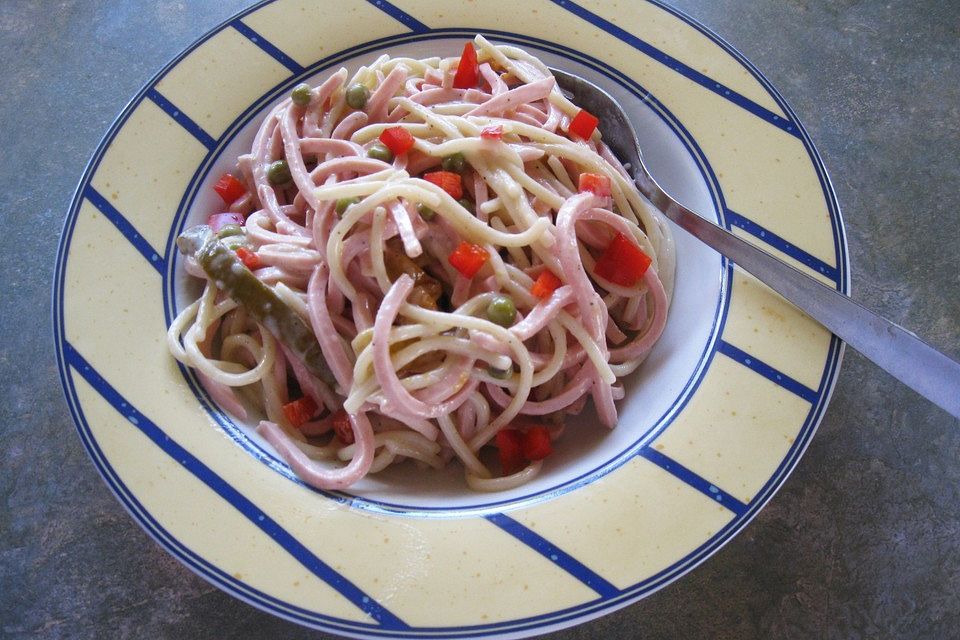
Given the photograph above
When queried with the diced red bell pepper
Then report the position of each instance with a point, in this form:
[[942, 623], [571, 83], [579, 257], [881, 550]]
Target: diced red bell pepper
[[622, 262], [545, 284], [229, 189], [535, 443], [300, 411], [219, 220], [342, 427], [448, 181], [467, 258], [468, 70], [510, 445], [596, 184], [249, 259], [397, 139], [583, 124], [492, 132]]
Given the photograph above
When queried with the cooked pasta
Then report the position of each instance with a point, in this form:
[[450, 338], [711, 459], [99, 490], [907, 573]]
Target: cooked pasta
[[424, 262]]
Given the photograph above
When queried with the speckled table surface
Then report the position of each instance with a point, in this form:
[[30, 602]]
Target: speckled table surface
[[862, 541]]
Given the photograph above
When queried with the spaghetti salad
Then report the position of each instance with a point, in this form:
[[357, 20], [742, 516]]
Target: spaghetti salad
[[427, 261]]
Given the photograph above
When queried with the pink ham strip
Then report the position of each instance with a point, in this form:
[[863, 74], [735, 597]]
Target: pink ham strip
[[273, 275], [376, 107], [543, 313], [258, 233], [511, 99], [315, 110], [645, 342], [640, 317], [467, 420], [316, 146], [312, 472], [418, 163], [497, 85], [459, 367], [443, 96], [263, 154], [480, 196], [538, 115], [484, 340], [303, 260], [293, 153], [333, 351], [553, 118], [614, 334], [310, 384], [348, 126], [323, 221], [592, 308], [573, 391], [396, 398]]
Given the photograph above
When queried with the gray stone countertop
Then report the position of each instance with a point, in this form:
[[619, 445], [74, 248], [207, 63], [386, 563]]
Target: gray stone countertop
[[863, 541]]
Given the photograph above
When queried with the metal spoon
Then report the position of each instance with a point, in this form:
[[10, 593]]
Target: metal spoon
[[898, 351]]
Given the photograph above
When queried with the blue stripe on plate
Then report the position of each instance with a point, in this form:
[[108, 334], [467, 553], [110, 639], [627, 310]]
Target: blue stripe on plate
[[267, 46], [182, 119], [123, 226], [550, 551], [684, 70], [398, 14], [236, 499], [779, 243], [690, 478], [767, 371]]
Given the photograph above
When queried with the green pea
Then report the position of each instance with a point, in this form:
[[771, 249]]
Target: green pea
[[455, 163], [499, 374], [379, 151], [357, 96], [278, 172], [425, 212], [301, 94], [467, 204], [343, 203], [228, 230], [501, 310]]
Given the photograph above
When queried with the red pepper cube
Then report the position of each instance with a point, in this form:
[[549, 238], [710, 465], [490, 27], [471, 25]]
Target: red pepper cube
[[492, 132], [622, 262], [300, 411], [229, 189], [468, 70], [510, 450], [467, 258], [535, 443], [583, 124], [397, 139], [343, 427], [596, 184], [448, 181], [249, 259], [545, 284]]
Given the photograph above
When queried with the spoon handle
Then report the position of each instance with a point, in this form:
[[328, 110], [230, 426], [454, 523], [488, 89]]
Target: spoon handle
[[904, 355]]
